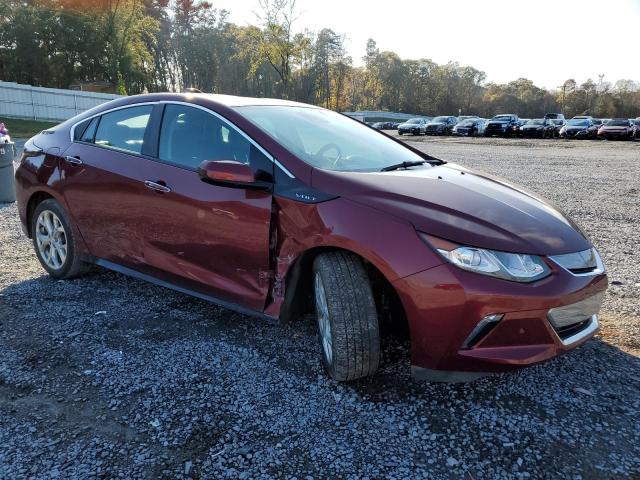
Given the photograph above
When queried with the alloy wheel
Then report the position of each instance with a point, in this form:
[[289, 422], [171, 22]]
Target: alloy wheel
[[51, 239], [324, 324]]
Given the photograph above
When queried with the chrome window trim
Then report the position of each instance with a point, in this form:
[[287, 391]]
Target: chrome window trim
[[208, 110], [91, 117], [597, 271]]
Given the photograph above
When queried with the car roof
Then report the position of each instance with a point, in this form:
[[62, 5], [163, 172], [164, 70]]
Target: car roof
[[237, 101]]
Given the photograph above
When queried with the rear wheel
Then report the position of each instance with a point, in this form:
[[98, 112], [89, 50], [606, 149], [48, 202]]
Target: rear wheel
[[347, 316], [54, 241]]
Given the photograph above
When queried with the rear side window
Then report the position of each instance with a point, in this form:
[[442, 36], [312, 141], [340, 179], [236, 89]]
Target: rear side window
[[189, 136], [79, 129], [123, 129], [90, 131]]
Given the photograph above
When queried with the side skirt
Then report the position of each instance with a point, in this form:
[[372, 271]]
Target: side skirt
[[162, 283]]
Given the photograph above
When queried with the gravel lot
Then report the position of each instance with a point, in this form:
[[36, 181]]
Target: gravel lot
[[109, 377]]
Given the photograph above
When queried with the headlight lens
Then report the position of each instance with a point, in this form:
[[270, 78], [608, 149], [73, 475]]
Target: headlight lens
[[516, 267]]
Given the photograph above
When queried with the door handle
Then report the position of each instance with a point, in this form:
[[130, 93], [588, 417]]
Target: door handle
[[158, 187], [73, 160]]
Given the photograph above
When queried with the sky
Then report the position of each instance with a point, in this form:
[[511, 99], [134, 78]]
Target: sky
[[545, 41]]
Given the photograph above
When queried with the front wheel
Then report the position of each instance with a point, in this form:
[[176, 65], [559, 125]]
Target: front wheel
[[347, 316], [54, 241]]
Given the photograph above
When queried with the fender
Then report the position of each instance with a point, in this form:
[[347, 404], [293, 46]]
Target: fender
[[303, 230], [44, 171]]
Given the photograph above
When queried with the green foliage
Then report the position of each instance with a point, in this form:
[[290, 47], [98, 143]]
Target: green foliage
[[160, 45]]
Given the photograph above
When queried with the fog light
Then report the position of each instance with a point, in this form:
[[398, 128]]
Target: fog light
[[482, 328]]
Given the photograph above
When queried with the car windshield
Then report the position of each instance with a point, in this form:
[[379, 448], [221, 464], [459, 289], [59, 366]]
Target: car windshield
[[439, 119], [578, 123], [618, 123], [414, 120], [467, 123], [535, 122], [328, 140], [502, 118]]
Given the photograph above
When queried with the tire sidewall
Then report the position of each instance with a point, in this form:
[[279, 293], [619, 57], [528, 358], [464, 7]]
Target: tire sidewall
[[53, 206]]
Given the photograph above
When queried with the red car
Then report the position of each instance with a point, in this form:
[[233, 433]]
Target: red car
[[617, 128], [276, 208]]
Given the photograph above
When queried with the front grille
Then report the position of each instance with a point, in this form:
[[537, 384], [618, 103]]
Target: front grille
[[579, 271], [570, 330], [576, 321]]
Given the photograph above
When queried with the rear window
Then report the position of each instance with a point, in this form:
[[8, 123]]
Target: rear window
[[124, 129]]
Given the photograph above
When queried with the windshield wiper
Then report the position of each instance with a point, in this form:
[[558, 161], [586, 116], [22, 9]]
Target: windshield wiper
[[403, 165]]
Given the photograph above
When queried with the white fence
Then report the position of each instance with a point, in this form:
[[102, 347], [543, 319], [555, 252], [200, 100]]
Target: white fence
[[38, 103]]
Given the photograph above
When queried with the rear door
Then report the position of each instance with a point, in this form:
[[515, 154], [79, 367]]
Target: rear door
[[102, 187]]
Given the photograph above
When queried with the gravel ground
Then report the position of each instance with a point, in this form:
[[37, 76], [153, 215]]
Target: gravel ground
[[108, 377]]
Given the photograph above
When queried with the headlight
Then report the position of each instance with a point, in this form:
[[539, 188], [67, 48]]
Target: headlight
[[517, 267]]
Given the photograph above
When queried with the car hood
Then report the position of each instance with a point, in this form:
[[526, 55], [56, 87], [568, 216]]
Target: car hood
[[534, 127], [463, 206], [408, 125]]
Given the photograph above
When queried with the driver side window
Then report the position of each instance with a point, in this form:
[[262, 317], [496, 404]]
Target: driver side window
[[189, 135]]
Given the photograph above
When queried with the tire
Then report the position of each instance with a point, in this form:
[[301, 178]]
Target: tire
[[52, 234], [347, 316]]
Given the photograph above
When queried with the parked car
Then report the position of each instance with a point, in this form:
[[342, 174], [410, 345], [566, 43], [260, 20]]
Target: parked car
[[414, 126], [617, 129], [521, 123], [579, 128], [470, 127], [186, 191], [598, 122], [384, 126], [441, 125], [558, 123], [582, 117], [502, 125], [636, 129], [539, 128], [554, 116], [466, 117]]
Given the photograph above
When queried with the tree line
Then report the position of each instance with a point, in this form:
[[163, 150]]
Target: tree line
[[160, 45]]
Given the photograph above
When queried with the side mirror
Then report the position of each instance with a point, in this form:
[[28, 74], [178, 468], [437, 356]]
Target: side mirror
[[230, 173]]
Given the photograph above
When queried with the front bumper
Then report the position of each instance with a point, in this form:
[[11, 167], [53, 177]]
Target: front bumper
[[615, 135], [444, 305]]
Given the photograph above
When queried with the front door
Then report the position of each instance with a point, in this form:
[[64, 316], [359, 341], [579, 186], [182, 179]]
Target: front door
[[214, 235]]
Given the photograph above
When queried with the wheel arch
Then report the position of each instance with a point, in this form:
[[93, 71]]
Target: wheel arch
[[298, 299], [35, 199]]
